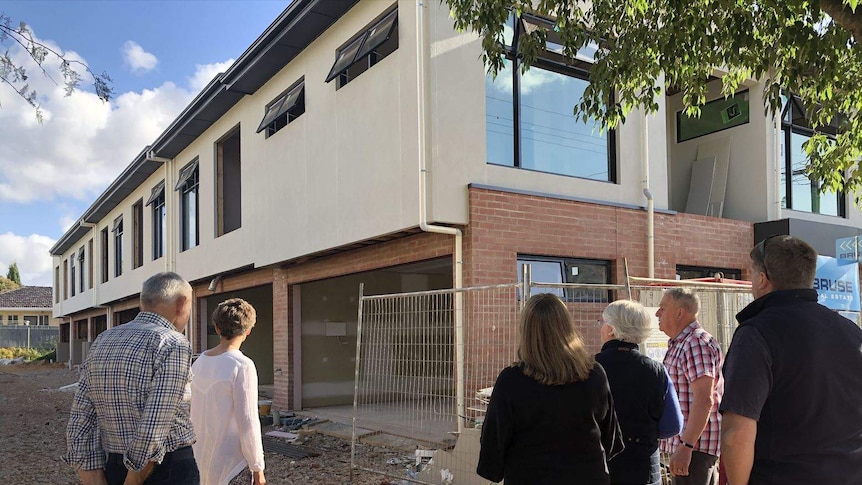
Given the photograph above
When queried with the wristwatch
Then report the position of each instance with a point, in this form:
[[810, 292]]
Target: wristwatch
[[687, 445]]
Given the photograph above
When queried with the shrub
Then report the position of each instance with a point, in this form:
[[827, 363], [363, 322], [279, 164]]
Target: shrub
[[28, 354]]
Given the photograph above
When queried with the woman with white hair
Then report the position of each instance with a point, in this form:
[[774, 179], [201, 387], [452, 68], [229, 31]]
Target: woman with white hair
[[644, 397]]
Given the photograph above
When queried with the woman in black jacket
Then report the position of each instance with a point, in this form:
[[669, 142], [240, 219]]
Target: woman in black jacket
[[644, 397], [551, 416]]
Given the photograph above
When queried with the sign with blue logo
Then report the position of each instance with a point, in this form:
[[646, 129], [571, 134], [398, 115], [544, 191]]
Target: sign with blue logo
[[837, 285], [849, 248]]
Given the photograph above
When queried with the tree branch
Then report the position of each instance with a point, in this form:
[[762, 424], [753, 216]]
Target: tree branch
[[844, 16]]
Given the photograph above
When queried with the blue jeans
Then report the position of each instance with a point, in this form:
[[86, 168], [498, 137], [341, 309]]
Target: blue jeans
[[177, 468]]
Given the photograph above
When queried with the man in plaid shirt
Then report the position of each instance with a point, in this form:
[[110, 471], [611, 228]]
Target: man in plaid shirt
[[693, 361], [130, 417]]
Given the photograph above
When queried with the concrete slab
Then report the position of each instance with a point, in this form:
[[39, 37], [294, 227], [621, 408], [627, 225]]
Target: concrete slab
[[398, 443], [339, 430]]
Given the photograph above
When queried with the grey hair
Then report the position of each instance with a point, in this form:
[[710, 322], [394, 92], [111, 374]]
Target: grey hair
[[686, 298], [163, 288], [631, 321]]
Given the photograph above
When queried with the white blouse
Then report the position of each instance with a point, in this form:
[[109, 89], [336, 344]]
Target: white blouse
[[224, 414]]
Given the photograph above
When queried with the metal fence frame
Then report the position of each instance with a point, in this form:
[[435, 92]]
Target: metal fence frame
[[426, 358]]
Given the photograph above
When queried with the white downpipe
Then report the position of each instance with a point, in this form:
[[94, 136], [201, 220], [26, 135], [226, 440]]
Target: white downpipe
[[423, 121], [170, 257], [649, 198]]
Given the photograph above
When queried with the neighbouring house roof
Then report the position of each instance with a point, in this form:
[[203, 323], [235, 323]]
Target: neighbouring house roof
[[297, 26], [28, 297]]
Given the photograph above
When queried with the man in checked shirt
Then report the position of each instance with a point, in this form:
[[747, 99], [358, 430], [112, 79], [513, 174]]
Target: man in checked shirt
[[130, 418], [693, 361]]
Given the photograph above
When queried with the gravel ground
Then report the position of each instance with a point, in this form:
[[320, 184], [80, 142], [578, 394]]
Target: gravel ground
[[33, 416]]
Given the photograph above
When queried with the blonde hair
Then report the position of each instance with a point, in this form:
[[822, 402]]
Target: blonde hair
[[551, 351], [631, 321]]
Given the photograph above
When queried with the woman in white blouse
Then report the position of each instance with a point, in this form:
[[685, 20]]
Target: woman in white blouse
[[224, 403]]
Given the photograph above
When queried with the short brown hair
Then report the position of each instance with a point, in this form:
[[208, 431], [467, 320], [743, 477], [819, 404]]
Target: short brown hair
[[234, 317], [551, 351], [789, 262]]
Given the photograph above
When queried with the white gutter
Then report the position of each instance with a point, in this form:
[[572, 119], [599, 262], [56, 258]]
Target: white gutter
[[423, 120], [649, 197]]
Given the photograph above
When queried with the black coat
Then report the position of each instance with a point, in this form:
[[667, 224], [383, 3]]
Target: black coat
[[639, 385], [539, 434]]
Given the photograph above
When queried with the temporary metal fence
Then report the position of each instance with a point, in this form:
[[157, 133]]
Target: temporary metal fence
[[33, 336], [426, 362]]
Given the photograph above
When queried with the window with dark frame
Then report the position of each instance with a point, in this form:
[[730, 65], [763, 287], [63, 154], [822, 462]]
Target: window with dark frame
[[64, 333], [366, 50], [802, 193], [549, 269], [72, 280], [686, 272], [717, 115], [65, 279], [118, 246], [228, 183], [138, 234], [187, 185], [529, 119], [103, 243], [287, 107], [81, 269], [90, 263], [57, 284], [157, 200]]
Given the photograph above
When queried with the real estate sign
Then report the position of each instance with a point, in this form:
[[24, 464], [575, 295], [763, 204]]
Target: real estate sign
[[837, 284]]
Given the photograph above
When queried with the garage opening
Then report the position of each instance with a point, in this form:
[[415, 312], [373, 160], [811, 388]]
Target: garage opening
[[327, 320]]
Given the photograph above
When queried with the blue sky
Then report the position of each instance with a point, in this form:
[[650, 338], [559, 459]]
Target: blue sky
[[159, 54]]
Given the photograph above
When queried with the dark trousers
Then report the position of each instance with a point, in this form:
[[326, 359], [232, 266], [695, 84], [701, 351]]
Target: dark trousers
[[177, 468], [703, 470]]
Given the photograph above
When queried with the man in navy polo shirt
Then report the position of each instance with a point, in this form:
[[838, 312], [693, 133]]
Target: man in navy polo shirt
[[792, 405]]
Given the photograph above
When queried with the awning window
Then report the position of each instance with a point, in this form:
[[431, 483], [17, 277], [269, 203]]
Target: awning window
[[185, 174], [364, 45], [157, 192], [284, 105]]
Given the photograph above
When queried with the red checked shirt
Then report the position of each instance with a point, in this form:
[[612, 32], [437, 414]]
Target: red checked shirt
[[693, 354]]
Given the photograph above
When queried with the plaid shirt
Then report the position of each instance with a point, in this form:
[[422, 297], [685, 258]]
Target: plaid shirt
[[692, 354], [133, 396]]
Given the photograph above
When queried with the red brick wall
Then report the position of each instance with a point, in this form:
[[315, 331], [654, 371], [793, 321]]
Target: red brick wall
[[503, 225]]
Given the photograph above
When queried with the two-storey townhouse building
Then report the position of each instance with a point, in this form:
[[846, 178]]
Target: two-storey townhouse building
[[362, 142]]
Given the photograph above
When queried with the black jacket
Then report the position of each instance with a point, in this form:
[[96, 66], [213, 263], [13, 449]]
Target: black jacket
[[809, 429], [537, 434], [639, 385]]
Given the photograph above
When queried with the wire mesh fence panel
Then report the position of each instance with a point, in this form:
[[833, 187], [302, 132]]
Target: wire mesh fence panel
[[427, 363]]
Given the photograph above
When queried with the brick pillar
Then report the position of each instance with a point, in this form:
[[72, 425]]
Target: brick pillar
[[282, 341]]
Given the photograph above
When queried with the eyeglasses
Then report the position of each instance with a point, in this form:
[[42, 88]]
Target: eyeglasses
[[761, 249]]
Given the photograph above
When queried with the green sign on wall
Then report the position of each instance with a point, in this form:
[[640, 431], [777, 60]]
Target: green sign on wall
[[717, 115]]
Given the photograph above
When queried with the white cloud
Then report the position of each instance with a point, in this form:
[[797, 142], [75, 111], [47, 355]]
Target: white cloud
[[83, 143], [31, 255], [205, 73], [139, 60]]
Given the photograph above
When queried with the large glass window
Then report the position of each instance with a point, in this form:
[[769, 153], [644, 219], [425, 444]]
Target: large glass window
[[801, 192], [157, 200], [187, 185], [546, 269], [118, 246], [716, 115], [529, 119], [81, 268]]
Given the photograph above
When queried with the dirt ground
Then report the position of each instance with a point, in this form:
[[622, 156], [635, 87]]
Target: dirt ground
[[33, 416]]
